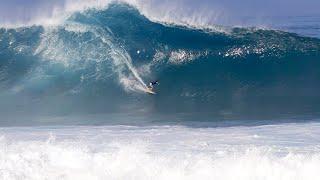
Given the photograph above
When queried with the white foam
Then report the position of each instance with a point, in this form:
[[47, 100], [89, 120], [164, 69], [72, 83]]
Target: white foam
[[282, 152], [181, 56]]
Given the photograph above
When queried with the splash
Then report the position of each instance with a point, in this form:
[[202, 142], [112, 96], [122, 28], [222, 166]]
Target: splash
[[161, 152]]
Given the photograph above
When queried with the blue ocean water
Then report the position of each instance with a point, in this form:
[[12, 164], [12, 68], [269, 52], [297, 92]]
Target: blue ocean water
[[99, 61], [307, 25], [241, 99]]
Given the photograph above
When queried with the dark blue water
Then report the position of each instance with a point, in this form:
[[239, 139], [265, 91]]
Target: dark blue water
[[95, 64]]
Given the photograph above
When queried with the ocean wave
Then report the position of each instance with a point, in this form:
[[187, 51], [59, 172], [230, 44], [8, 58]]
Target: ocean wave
[[100, 60]]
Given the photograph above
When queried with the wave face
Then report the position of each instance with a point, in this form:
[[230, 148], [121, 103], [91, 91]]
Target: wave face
[[99, 61]]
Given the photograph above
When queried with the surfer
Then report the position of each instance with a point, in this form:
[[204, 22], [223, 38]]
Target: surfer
[[153, 83]]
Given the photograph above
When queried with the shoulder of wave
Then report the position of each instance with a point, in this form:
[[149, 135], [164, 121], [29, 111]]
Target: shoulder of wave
[[198, 27], [207, 28]]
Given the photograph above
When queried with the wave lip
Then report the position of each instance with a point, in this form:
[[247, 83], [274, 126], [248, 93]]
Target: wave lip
[[169, 13]]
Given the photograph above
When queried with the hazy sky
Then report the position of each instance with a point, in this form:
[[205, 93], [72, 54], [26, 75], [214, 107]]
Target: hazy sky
[[23, 10]]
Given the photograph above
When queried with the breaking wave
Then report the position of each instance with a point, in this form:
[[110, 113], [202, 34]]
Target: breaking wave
[[99, 60]]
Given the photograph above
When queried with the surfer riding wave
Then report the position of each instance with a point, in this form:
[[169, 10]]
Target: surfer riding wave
[[152, 84]]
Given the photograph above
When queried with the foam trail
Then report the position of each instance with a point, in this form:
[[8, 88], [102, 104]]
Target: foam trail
[[125, 57], [128, 61]]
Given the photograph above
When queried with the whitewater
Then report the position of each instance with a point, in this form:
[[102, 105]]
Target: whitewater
[[284, 151], [233, 102]]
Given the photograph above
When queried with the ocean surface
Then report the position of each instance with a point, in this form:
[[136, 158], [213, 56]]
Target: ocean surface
[[234, 102]]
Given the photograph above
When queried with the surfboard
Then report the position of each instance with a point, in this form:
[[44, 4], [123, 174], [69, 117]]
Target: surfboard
[[149, 91]]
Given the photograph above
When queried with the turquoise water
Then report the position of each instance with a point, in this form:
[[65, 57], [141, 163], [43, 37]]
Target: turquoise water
[[98, 61]]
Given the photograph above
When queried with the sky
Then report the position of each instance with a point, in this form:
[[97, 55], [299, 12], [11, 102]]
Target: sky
[[229, 10]]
